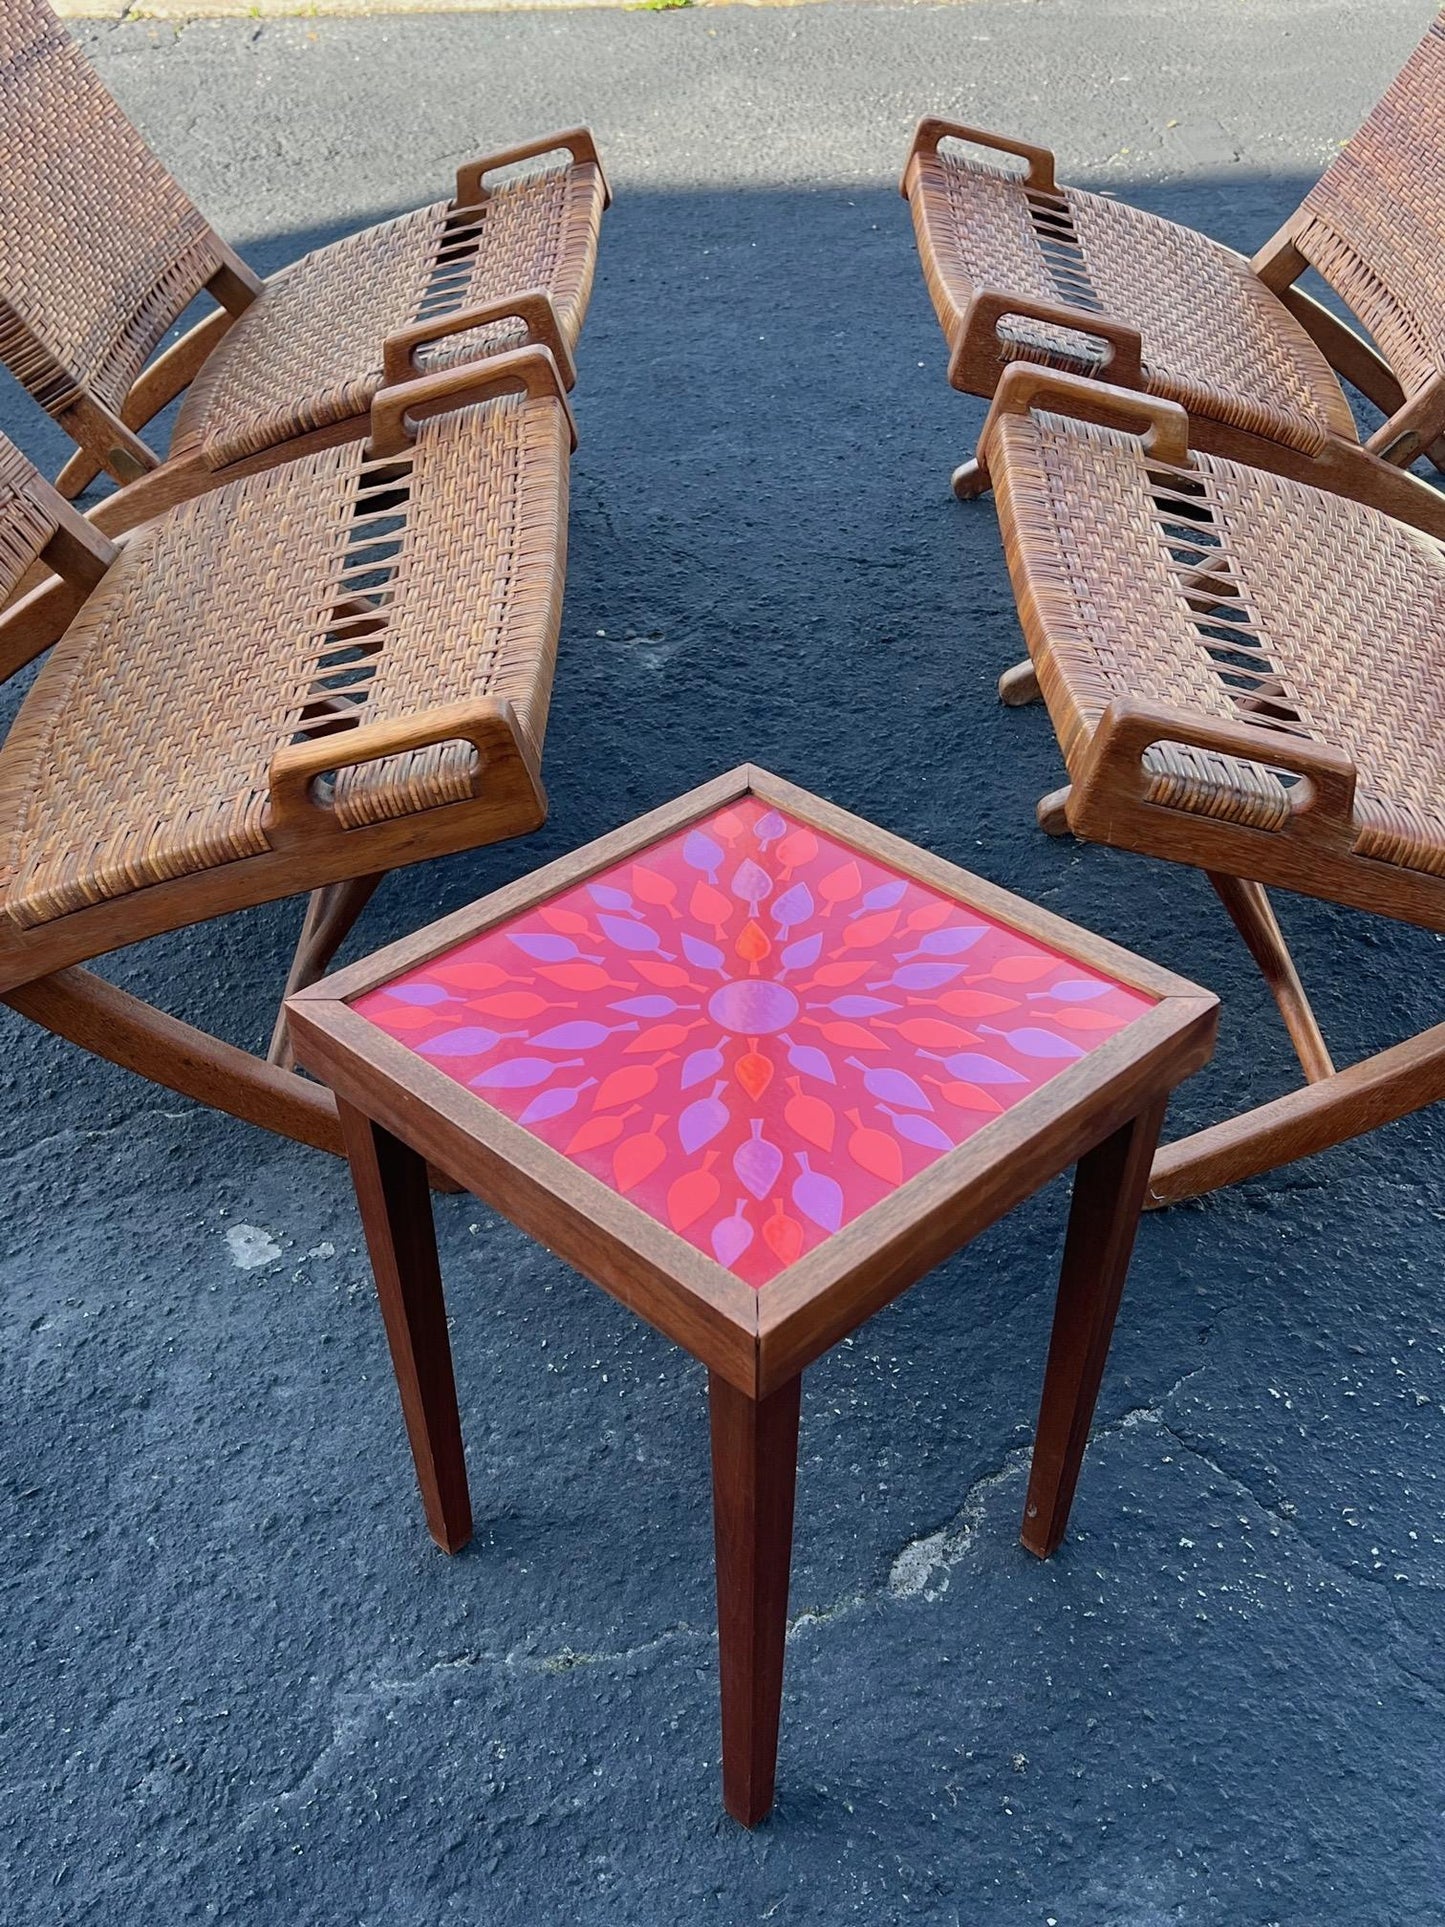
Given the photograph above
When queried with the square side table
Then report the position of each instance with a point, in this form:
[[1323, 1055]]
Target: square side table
[[754, 1067]]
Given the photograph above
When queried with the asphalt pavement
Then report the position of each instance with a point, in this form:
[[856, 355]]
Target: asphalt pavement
[[239, 1682]]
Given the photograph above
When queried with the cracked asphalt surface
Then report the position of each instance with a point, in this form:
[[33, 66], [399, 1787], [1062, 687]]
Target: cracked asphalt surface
[[240, 1682]]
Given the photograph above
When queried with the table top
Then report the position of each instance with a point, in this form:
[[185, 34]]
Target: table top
[[767, 1034]]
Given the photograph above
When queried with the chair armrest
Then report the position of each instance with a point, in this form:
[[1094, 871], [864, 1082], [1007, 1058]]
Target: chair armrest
[[1113, 767], [533, 309], [1163, 425], [576, 141], [488, 724], [976, 343], [932, 129], [529, 371]]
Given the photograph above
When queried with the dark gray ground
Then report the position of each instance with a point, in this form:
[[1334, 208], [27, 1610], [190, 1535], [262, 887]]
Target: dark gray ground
[[240, 1684]]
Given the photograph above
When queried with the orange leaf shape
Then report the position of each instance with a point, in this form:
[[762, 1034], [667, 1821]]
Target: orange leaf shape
[[1085, 1019], [797, 848], [868, 931], [784, 1235], [838, 974], [840, 884], [512, 1004], [411, 1016], [754, 1072], [667, 976], [689, 1197], [931, 1033], [634, 1081], [753, 945], [878, 1153], [930, 915], [852, 1036], [651, 887], [971, 1097], [576, 976], [469, 976], [728, 825], [566, 920], [708, 905], [1023, 970], [811, 1118], [658, 1037], [975, 1003], [636, 1158], [597, 1130]]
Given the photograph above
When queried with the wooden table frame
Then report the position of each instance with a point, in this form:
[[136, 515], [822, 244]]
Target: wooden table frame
[[400, 1113]]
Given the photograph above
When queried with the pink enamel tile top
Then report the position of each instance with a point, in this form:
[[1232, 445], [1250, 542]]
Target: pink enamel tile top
[[751, 1030]]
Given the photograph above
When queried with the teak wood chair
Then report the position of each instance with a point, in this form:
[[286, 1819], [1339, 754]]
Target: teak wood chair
[[298, 681], [1244, 673], [101, 252], [1022, 268]]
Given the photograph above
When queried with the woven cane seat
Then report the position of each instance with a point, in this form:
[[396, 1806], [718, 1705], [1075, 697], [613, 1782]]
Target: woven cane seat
[[307, 352], [329, 591], [1225, 591], [1214, 338]]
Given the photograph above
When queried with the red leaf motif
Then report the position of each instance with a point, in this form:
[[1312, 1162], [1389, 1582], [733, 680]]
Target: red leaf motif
[[876, 1152], [840, 884], [1023, 970], [691, 1196], [625, 1085], [596, 1131], [868, 931], [852, 1036], [784, 1235], [754, 1072], [931, 1033], [636, 1158], [811, 1118], [659, 1037]]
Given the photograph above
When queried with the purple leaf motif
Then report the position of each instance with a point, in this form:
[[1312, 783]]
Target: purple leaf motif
[[553, 1103], [751, 883], [758, 1162], [1037, 1043], [949, 943], [811, 1061], [700, 852], [630, 935], [974, 1068], [545, 948], [658, 1006], [922, 1130], [468, 1041], [769, 828], [609, 896], [700, 1064], [857, 1006], [798, 956], [892, 1087], [882, 897], [818, 1197], [580, 1034], [1074, 990], [795, 905], [418, 993], [921, 976], [706, 956], [731, 1238], [521, 1073], [701, 1121]]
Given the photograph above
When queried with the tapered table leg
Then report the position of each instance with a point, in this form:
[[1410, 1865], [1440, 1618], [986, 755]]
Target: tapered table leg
[[754, 1475], [391, 1189], [1109, 1187]]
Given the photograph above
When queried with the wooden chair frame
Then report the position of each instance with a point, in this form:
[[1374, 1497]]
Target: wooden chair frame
[[40, 973]]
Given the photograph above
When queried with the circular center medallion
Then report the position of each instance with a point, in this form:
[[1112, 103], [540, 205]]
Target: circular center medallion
[[753, 1007]]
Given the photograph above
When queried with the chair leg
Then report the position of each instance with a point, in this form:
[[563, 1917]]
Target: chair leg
[[330, 914], [100, 1017], [1253, 917], [970, 480], [1019, 686], [1349, 1104], [1050, 811], [78, 474]]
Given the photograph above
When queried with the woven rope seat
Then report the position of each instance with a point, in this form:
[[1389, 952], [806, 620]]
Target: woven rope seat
[[101, 252], [1245, 674], [1021, 267], [298, 681], [1214, 339]]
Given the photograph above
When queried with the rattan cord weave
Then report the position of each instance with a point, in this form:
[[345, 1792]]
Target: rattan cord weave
[[1376, 218], [1214, 338], [26, 523], [1345, 606], [142, 751], [100, 250], [307, 352]]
